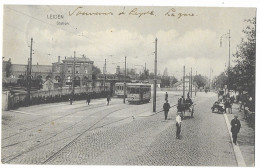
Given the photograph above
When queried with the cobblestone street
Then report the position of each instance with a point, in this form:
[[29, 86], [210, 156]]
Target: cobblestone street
[[118, 134]]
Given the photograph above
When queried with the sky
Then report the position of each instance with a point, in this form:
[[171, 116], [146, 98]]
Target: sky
[[187, 36]]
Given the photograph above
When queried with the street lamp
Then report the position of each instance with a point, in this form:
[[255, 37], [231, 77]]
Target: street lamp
[[227, 35]]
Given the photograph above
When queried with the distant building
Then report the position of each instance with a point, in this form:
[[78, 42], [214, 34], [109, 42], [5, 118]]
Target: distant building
[[61, 72], [179, 85], [5, 68], [64, 71]]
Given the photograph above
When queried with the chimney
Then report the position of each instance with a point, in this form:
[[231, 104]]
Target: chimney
[[58, 59]]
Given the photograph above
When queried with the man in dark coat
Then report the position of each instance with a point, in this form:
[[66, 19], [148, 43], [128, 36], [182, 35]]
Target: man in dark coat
[[235, 127], [108, 99], [166, 108], [166, 96], [71, 98], [88, 99]]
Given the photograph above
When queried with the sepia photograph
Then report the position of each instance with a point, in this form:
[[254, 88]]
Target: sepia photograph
[[128, 85]]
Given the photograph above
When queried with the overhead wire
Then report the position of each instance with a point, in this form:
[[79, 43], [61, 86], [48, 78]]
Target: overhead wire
[[39, 20]]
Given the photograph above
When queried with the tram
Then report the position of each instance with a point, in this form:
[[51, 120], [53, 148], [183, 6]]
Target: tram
[[138, 93], [119, 89]]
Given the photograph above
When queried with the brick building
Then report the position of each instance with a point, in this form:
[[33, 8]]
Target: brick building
[[64, 71], [61, 72]]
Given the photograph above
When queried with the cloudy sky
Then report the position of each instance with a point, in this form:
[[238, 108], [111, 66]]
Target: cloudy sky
[[192, 40]]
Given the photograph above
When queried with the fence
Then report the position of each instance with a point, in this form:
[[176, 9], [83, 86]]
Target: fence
[[12, 101]]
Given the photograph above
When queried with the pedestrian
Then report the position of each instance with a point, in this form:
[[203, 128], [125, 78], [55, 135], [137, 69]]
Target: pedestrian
[[178, 126], [88, 99], [166, 108], [235, 127], [166, 96], [71, 98], [108, 99], [232, 100], [228, 107], [249, 107]]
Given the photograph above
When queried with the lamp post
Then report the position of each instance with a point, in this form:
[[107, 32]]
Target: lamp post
[[227, 35]]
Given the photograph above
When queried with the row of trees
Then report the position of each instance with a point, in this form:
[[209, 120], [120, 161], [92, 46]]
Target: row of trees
[[241, 77]]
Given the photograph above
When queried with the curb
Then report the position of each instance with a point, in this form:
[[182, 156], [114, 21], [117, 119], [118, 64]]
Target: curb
[[239, 157]]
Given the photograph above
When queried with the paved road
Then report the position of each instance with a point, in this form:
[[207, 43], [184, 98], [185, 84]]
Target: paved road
[[118, 134]]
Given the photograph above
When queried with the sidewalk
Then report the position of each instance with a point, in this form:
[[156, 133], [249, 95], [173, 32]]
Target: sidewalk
[[246, 137]]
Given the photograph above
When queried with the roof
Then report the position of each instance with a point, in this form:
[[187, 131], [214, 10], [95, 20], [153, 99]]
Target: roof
[[82, 59], [177, 83], [35, 68], [138, 84], [151, 81]]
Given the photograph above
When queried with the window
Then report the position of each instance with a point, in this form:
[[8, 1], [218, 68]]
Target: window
[[69, 79], [134, 90], [77, 70], [69, 69]]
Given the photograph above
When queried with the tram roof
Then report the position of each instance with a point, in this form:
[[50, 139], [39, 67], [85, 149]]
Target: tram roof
[[138, 84]]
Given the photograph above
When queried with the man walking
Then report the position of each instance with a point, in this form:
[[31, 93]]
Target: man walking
[[71, 98], [235, 127], [88, 99], [228, 106], [166, 96], [166, 108], [178, 126], [108, 99]]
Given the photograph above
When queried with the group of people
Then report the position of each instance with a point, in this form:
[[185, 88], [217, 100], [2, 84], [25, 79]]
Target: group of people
[[246, 104], [88, 98], [181, 103], [224, 103]]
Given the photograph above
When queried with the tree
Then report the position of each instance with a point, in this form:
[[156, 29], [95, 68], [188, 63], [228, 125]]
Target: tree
[[200, 80], [165, 72], [8, 68], [144, 75], [245, 59], [151, 75], [173, 80], [95, 72], [220, 81], [165, 81]]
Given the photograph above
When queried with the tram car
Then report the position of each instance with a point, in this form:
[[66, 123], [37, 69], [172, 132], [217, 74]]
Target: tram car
[[138, 93], [119, 89]]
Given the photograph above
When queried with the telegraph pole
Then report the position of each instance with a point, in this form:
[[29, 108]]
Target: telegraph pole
[[209, 78], [125, 81], [73, 78], [105, 69], [183, 81], [191, 83], [155, 73], [196, 86], [228, 58], [189, 86], [29, 75]]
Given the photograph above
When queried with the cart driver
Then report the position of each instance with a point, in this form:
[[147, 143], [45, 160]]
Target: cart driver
[[189, 101]]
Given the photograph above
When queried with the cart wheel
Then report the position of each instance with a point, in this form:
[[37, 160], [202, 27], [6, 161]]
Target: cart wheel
[[212, 109]]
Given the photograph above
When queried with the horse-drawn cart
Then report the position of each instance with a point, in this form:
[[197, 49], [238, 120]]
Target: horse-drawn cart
[[185, 110]]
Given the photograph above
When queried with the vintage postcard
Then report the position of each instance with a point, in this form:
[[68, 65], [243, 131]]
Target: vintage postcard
[[128, 85]]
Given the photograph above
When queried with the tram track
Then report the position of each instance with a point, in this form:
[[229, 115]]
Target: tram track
[[40, 109], [78, 135], [89, 129], [85, 117], [12, 157], [47, 122]]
